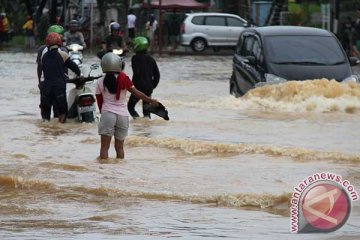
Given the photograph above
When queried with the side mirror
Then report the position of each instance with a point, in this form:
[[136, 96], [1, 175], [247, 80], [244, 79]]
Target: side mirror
[[251, 60], [94, 66], [354, 61], [248, 25]]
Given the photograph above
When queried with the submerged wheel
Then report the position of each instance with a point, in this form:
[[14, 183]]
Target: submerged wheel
[[198, 45], [88, 117]]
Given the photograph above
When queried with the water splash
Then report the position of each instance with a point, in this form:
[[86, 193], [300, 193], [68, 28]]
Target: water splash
[[319, 95]]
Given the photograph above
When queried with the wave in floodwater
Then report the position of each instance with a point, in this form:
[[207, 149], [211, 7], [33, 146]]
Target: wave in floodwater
[[198, 147], [61, 166], [260, 200], [320, 95], [14, 182]]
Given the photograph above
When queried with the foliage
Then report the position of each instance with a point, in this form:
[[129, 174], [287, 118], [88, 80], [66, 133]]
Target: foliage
[[300, 14], [17, 40], [294, 19]]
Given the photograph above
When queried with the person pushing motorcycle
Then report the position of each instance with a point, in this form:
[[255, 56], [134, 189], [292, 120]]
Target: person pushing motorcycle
[[42, 49], [53, 89]]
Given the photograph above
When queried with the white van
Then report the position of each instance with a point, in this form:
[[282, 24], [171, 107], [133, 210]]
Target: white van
[[217, 30]]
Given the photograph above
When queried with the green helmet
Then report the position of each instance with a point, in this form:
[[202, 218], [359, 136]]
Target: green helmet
[[140, 44], [56, 29]]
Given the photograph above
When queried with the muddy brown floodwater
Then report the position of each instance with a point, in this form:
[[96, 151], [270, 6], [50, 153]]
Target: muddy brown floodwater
[[220, 168]]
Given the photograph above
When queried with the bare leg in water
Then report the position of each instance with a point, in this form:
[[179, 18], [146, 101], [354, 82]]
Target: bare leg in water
[[119, 148], [105, 145]]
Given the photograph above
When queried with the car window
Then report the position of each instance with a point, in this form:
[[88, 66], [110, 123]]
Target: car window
[[234, 22], [198, 20], [215, 21], [256, 51], [304, 49], [247, 45]]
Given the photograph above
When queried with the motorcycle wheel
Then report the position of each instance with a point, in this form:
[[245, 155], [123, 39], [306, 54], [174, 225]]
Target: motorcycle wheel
[[88, 117]]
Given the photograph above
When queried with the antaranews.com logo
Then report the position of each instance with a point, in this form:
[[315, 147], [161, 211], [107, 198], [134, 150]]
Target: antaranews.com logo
[[321, 203]]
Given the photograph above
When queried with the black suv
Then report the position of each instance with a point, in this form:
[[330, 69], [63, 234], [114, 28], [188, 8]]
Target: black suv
[[273, 54]]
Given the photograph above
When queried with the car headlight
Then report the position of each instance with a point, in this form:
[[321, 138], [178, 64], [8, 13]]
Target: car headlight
[[351, 78], [273, 79]]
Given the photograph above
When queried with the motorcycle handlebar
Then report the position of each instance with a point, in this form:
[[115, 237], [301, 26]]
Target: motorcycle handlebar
[[83, 79]]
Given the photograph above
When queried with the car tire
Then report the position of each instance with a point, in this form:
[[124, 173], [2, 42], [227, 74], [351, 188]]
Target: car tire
[[198, 45]]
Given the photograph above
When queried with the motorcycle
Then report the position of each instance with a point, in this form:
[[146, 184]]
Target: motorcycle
[[75, 53], [118, 51], [81, 100]]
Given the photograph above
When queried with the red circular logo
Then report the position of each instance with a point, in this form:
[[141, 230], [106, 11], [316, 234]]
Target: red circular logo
[[326, 207]]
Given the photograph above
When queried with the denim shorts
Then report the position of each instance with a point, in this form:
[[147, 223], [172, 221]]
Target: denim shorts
[[112, 124]]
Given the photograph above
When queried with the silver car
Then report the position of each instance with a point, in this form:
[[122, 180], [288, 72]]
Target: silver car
[[216, 30]]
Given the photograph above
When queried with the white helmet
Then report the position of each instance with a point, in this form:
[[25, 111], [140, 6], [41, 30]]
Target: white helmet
[[111, 62]]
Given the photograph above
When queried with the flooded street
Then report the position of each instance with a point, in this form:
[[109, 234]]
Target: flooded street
[[222, 167]]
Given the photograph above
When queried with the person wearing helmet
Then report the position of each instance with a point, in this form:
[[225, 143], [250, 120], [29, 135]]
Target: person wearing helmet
[[53, 89], [146, 74], [52, 29], [56, 29], [113, 41], [73, 35], [111, 99], [43, 49]]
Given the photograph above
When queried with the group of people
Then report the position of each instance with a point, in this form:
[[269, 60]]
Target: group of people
[[171, 29], [53, 62], [351, 35]]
